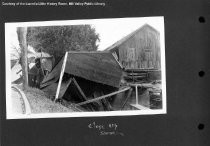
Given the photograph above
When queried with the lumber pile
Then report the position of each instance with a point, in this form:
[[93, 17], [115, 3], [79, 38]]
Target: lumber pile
[[135, 75], [141, 75]]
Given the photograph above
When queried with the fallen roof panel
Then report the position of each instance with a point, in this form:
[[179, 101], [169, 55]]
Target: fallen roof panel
[[100, 67]]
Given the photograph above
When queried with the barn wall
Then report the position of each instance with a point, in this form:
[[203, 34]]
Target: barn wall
[[142, 50]]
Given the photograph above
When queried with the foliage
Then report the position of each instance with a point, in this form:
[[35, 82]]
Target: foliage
[[56, 40]]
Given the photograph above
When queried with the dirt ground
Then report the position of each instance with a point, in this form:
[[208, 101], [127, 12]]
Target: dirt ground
[[17, 103], [41, 104]]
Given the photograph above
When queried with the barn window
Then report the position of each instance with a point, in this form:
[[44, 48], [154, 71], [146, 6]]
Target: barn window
[[148, 54], [131, 54], [148, 57]]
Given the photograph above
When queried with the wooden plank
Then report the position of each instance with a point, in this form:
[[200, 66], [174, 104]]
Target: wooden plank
[[104, 96], [107, 104], [61, 76], [137, 98], [64, 87], [146, 85], [134, 77], [80, 90], [54, 73], [43, 85], [103, 104], [140, 107], [141, 69], [116, 58], [128, 96], [137, 74]]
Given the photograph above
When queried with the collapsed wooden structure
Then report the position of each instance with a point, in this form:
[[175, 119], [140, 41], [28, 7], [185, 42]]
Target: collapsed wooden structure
[[86, 79], [100, 67], [104, 81], [92, 81]]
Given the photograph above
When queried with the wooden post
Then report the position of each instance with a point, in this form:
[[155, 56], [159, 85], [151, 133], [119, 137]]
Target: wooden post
[[22, 33], [41, 63], [61, 76], [128, 96], [137, 100]]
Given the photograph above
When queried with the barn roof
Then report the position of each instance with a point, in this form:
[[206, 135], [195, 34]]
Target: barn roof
[[118, 43], [100, 67]]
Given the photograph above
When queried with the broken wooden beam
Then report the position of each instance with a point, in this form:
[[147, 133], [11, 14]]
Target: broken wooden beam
[[128, 96], [104, 96], [79, 88], [116, 58], [61, 76]]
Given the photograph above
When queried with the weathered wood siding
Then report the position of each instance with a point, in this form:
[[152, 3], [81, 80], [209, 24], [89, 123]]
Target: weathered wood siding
[[142, 50]]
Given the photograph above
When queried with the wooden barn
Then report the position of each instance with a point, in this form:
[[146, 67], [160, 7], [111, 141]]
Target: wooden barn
[[139, 50]]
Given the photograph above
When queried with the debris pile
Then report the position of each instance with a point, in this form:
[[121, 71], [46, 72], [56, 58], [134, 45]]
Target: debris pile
[[96, 81], [86, 76]]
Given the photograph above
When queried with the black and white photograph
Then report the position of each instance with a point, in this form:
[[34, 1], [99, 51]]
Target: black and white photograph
[[82, 68]]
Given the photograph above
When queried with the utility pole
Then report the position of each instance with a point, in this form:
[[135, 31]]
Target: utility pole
[[22, 33]]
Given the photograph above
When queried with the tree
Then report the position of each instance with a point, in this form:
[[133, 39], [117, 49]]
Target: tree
[[56, 40], [22, 32]]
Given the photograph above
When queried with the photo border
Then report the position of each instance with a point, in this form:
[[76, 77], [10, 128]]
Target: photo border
[[9, 115]]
